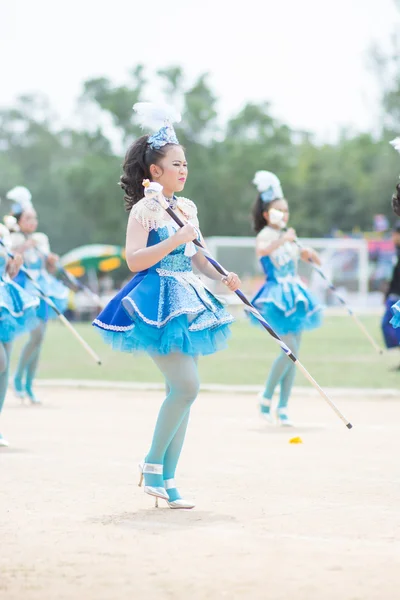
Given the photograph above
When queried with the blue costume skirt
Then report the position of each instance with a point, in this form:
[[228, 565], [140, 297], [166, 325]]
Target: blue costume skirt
[[288, 307], [18, 311], [395, 321], [164, 313], [51, 287]]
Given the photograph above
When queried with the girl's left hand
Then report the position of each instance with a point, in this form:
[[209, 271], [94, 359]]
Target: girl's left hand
[[232, 281]]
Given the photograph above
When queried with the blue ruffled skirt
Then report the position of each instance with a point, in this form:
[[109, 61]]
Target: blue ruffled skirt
[[395, 321], [390, 334], [18, 311], [54, 289], [288, 307], [164, 313]]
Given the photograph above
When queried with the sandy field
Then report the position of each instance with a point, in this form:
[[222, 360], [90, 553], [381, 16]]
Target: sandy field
[[273, 520]]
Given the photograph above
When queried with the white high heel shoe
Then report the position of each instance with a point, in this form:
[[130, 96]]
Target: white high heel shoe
[[3, 442], [180, 502], [283, 419], [157, 491], [264, 405]]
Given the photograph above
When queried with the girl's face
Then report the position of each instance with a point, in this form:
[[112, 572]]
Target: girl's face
[[172, 171], [283, 207], [28, 221]]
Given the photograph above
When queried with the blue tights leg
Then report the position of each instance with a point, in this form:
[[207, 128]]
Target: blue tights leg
[[28, 361], [172, 456], [181, 376], [173, 452], [282, 372], [289, 375], [5, 351], [278, 369]]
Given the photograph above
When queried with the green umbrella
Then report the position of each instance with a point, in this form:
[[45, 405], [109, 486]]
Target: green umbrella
[[94, 257]]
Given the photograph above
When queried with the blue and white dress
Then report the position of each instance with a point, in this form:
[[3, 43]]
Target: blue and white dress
[[35, 264], [17, 307], [395, 322], [165, 308], [283, 300]]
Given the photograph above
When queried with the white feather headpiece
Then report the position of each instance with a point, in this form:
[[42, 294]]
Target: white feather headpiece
[[153, 116], [20, 194], [158, 118], [21, 197], [396, 144], [268, 186]]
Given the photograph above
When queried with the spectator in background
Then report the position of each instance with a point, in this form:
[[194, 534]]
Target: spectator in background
[[392, 335], [70, 312]]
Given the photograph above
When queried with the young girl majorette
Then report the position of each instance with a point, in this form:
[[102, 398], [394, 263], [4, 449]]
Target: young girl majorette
[[17, 311], [165, 310], [40, 263], [283, 300]]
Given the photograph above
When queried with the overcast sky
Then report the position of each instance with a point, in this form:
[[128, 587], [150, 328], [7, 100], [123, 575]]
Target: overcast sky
[[307, 57]]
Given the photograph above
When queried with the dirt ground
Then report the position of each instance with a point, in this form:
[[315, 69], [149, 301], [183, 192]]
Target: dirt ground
[[273, 520]]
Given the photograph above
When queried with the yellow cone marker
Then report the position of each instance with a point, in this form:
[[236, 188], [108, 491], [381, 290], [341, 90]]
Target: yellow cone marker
[[296, 440]]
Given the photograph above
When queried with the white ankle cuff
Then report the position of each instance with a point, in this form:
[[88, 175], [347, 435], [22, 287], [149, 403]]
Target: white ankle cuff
[[169, 484], [265, 402], [152, 469]]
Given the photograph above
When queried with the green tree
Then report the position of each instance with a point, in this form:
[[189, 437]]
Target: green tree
[[73, 173], [117, 100]]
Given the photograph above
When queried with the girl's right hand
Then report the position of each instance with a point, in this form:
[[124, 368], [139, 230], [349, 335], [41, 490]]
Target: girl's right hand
[[290, 235], [186, 234]]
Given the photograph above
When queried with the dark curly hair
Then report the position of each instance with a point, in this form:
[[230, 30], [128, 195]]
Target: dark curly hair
[[396, 200], [17, 216], [138, 159], [259, 207]]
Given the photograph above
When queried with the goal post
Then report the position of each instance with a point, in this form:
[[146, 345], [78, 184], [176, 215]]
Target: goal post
[[345, 261]]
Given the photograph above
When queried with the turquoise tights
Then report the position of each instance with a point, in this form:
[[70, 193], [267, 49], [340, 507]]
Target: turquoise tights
[[28, 361], [182, 383], [283, 372], [5, 351]]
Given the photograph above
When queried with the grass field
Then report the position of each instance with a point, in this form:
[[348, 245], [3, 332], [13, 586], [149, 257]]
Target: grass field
[[337, 355]]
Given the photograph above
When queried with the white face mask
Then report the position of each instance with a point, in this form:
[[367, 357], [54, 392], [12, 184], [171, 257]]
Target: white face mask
[[276, 217]]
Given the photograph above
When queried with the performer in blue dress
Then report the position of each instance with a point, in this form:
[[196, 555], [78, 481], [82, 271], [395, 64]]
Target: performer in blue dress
[[391, 335], [40, 262], [395, 322], [17, 311], [165, 310], [283, 300]]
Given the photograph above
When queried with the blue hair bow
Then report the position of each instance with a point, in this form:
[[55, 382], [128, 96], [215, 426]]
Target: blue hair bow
[[268, 195], [165, 135]]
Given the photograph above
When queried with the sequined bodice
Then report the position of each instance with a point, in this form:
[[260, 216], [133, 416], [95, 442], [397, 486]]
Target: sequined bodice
[[281, 264], [275, 271], [177, 260]]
